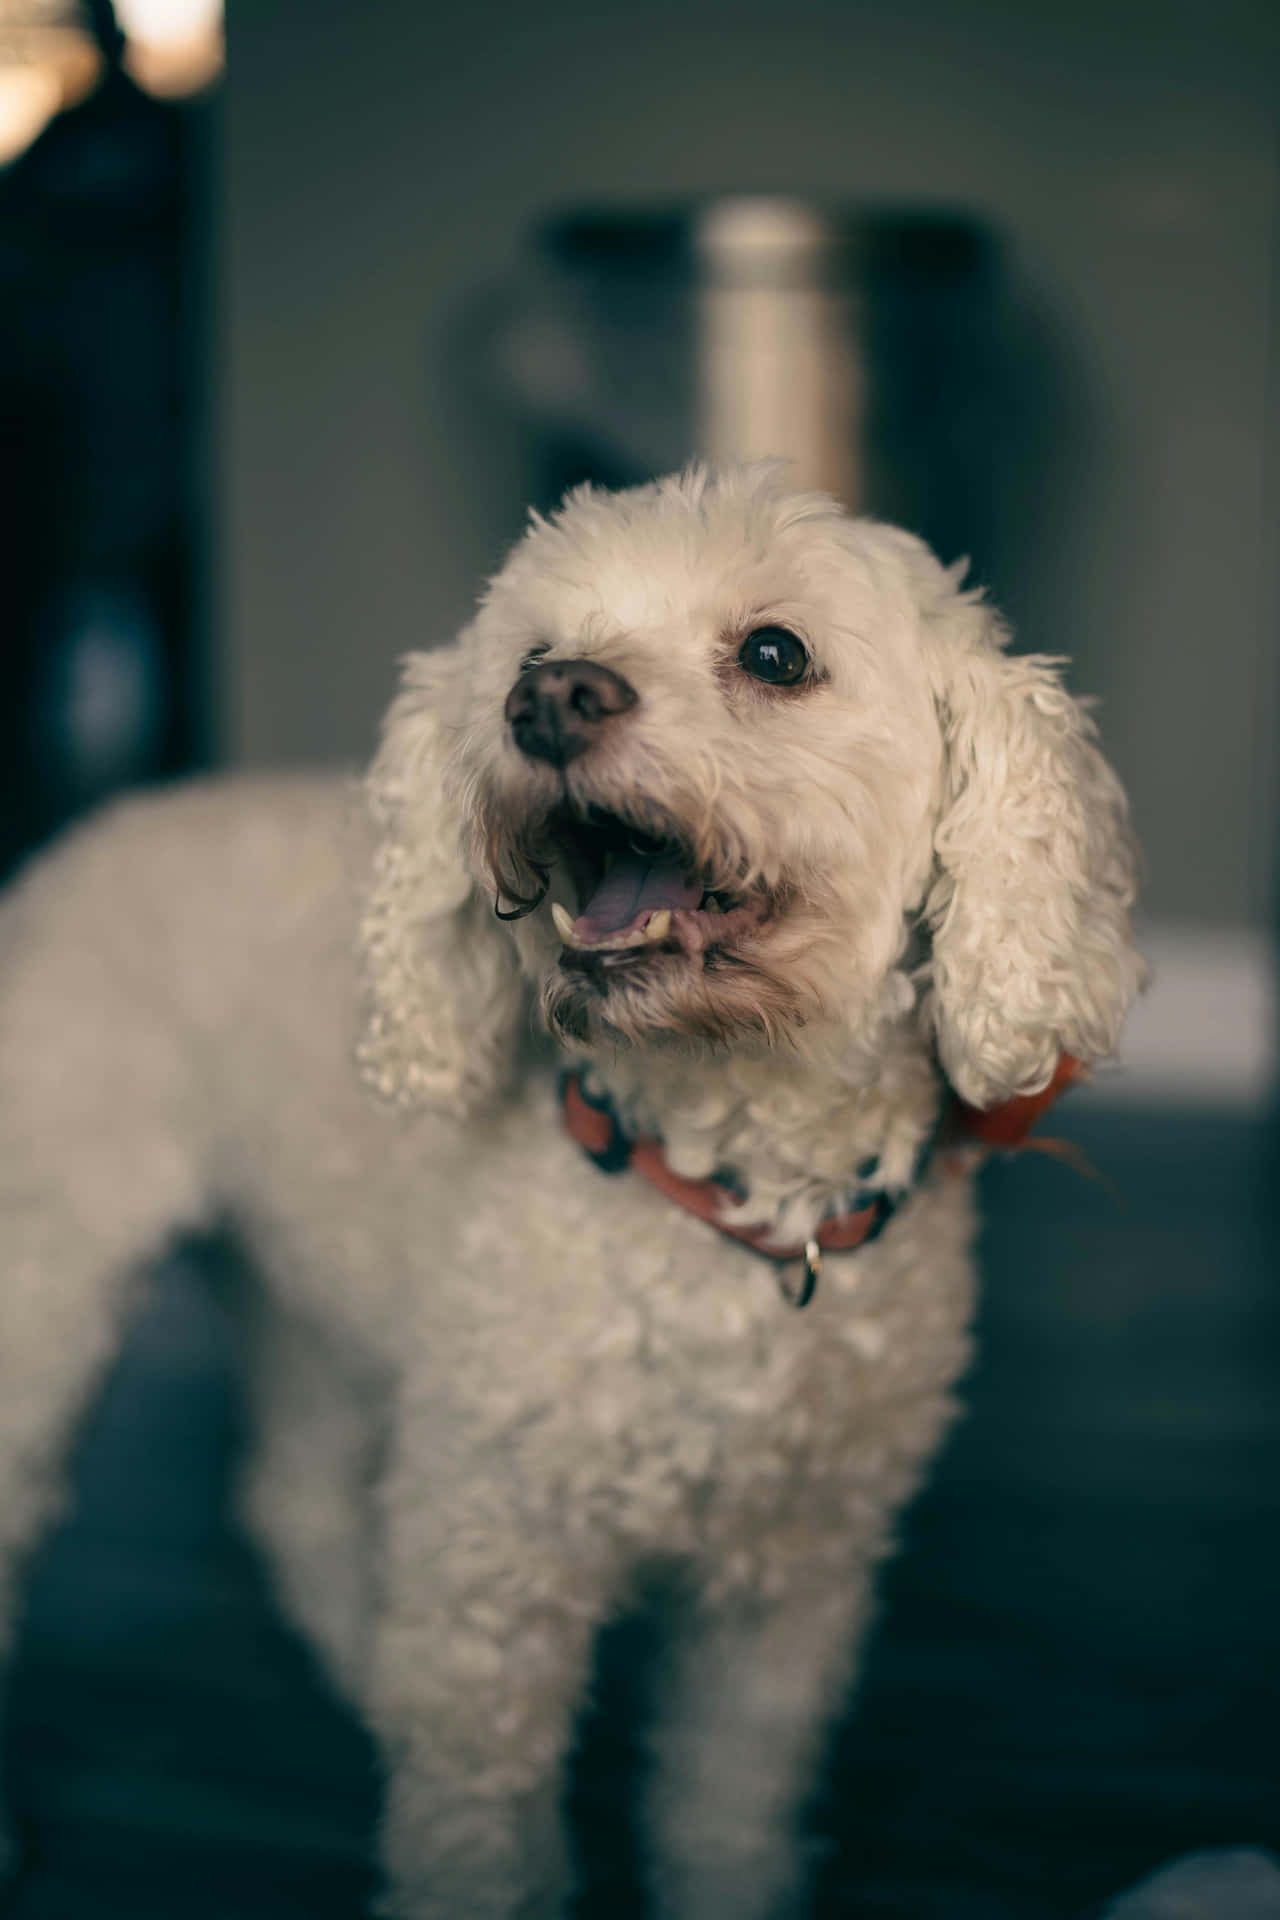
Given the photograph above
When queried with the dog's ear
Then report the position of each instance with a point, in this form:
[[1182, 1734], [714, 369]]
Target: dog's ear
[[441, 975], [1032, 952]]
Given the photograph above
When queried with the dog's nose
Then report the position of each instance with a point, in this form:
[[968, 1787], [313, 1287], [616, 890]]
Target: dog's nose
[[556, 711]]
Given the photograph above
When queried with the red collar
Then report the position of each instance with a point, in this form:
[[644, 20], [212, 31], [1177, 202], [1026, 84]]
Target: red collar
[[595, 1127], [1006, 1128]]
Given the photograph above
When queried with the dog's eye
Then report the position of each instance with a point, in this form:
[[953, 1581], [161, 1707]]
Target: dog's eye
[[774, 655], [533, 656]]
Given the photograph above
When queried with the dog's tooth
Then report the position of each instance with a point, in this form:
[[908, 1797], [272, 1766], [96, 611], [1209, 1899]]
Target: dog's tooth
[[711, 904], [658, 925], [564, 925]]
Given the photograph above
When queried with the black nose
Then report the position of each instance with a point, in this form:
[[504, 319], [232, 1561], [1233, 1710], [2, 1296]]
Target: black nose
[[556, 711]]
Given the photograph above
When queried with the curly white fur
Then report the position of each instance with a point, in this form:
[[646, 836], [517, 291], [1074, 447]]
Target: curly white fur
[[491, 1386], [930, 784]]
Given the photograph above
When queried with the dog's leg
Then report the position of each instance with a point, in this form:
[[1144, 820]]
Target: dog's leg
[[95, 1175], [475, 1718], [481, 1657], [751, 1691], [307, 1495]]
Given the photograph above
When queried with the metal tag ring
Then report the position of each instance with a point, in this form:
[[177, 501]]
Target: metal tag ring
[[801, 1292]]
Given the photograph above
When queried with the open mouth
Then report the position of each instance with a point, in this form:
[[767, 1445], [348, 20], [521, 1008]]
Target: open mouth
[[640, 895]]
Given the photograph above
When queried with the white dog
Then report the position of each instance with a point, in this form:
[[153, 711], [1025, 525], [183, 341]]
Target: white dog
[[781, 843]]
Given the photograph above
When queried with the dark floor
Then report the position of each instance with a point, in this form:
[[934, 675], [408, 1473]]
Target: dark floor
[[1076, 1676]]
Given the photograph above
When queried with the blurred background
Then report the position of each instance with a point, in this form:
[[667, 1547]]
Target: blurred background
[[298, 312]]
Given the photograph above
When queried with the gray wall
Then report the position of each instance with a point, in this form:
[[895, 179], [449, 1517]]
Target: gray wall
[[384, 157]]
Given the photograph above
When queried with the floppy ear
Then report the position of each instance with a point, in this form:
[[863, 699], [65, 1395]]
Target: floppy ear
[[1033, 954], [441, 977]]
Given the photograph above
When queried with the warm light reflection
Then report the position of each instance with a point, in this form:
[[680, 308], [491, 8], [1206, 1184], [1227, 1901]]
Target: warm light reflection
[[172, 47], [48, 61], [29, 98]]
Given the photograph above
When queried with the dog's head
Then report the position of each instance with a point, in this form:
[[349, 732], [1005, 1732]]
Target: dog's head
[[740, 771]]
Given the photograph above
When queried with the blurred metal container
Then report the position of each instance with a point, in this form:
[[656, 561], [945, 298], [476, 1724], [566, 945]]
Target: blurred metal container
[[861, 346]]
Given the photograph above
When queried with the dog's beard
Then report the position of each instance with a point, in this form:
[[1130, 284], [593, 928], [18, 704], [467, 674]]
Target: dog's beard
[[672, 945], [718, 1001]]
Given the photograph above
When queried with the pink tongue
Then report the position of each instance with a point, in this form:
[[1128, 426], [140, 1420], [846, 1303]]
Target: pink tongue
[[636, 885]]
